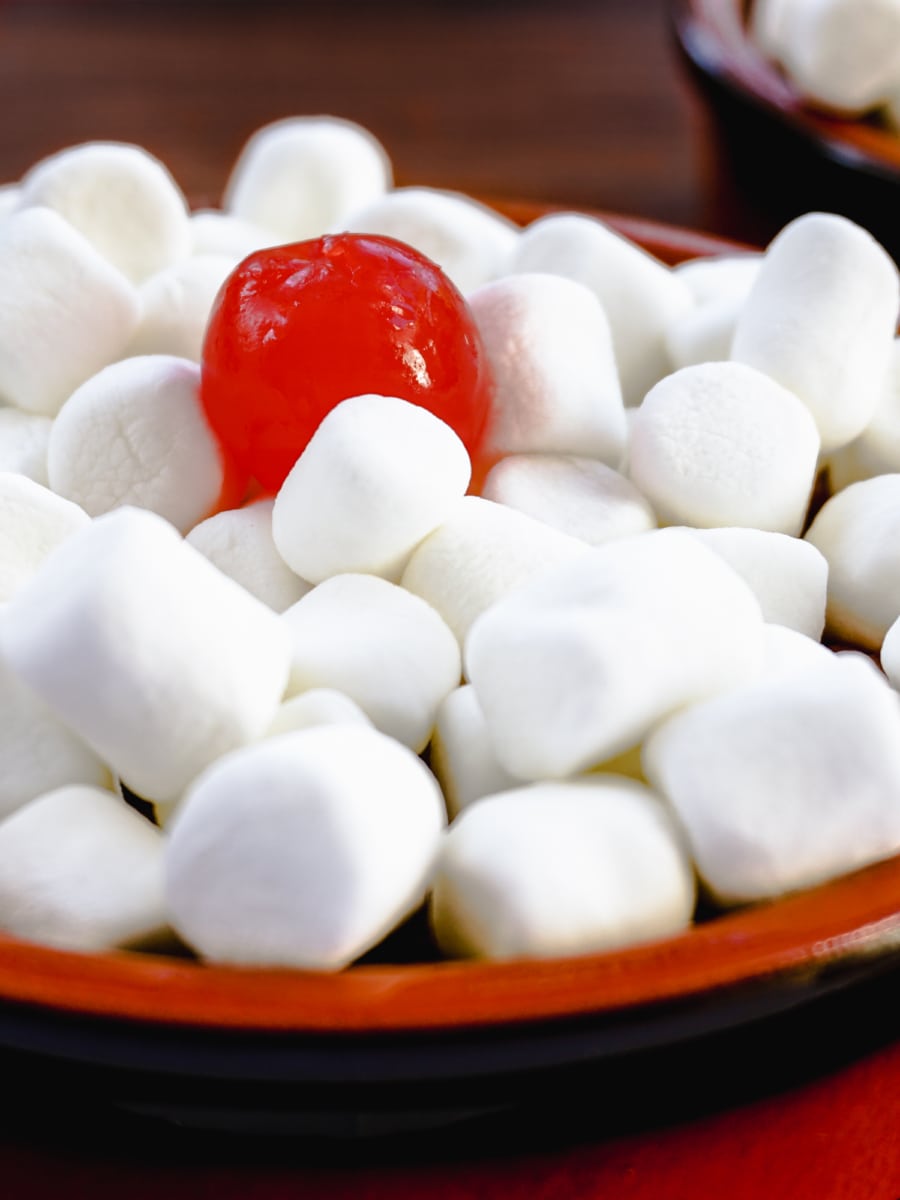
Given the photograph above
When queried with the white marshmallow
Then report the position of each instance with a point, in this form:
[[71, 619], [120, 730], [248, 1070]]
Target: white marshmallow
[[556, 386], [10, 199], [81, 870], [890, 654], [461, 753], [578, 496], [703, 334], [33, 521], [377, 476], [788, 576], [318, 706], [786, 782], [383, 647], [877, 449], [64, 311], [175, 306], [152, 656], [641, 295], [721, 277], [844, 54], [300, 177], [304, 850], [216, 232], [239, 542], [38, 752], [539, 872], [578, 665], [785, 652], [120, 198], [135, 434], [821, 320], [482, 551], [858, 531], [471, 243], [24, 438], [722, 444]]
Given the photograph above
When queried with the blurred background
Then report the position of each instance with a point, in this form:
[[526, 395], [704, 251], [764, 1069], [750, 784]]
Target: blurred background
[[574, 101]]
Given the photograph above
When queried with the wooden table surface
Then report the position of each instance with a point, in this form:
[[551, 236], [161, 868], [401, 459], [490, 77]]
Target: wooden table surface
[[581, 102]]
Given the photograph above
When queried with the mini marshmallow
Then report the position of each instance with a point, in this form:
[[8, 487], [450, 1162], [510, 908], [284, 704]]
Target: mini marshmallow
[[723, 444], [470, 242], [785, 652], [703, 334], [239, 542], [175, 306], [64, 310], [578, 665], [877, 449], [482, 551], [305, 850], [300, 177], [821, 320], [10, 199], [579, 496], [844, 54], [81, 870], [788, 576], [771, 24], [220, 233], [122, 199], [383, 647], [24, 438], [641, 296], [557, 390], [318, 706], [186, 665], [890, 654], [377, 476], [561, 868], [38, 752], [33, 521], [135, 434], [858, 530], [786, 782], [461, 754], [721, 277]]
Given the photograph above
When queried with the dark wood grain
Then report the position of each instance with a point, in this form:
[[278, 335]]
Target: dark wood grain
[[576, 101]]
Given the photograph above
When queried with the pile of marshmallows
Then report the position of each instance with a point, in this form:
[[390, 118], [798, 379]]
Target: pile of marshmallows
[[840, 55], [610, 709]]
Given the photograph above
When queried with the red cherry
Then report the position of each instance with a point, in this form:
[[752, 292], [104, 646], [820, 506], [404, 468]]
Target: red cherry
[[296, 329]]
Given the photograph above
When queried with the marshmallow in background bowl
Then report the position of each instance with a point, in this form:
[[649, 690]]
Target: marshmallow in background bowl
[[641, 296], [470, 242], [303, 851], [481, 551], [579, 496], [81, 870], [538, 872], [301, 177], [122, 199], [239, 542], [723, 444], [556, 386], [135, 434], [786, 782], [377, 476], [64, 310], [821, 320], [149, 653], [380, 645], [578, 665]]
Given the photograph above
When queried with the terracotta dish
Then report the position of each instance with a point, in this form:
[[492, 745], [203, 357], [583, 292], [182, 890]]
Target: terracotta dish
[[380, 1022], [782, 156]]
